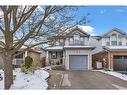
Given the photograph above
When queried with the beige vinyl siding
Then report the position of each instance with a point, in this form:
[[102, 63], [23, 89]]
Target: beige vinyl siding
[[36, 57]]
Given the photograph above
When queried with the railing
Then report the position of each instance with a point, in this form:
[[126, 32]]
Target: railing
[[18, 61], [78, 43]]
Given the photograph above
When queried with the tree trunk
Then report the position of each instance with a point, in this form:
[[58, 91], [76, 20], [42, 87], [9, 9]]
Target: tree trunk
[[8, 71]]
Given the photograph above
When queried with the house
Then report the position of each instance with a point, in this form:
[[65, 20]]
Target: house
[[111, 50], [18, 60], [36, 54], [72, 49]]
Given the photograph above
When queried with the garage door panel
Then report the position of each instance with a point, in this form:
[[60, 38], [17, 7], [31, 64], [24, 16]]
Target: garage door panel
[[120, 63], [78, 62]]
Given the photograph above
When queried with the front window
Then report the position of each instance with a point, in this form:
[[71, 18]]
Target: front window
[[77, 39], [54, 55]]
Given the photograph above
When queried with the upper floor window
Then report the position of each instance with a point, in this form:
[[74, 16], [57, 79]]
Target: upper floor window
[[107, 43], [71, 40], [61, 42], [76, 38], [114, 40], [82, 40], [120, 43], [57, 43], [114, 37], [114, 43]]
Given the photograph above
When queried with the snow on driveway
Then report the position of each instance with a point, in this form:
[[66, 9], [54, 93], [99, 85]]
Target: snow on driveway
[[28, 81], [116, 74]]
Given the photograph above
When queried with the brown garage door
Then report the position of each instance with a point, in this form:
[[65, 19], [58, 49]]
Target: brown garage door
[[120, 63]]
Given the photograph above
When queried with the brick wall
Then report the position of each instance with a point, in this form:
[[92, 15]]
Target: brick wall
[[99, 57]]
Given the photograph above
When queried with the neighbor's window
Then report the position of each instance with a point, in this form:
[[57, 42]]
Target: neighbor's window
[[120, 43], [54, 55], [114, 40], [107, 43], [114, 43]]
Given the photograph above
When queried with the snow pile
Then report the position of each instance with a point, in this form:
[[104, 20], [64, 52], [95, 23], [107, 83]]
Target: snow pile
[[29, 81], [116, 74]]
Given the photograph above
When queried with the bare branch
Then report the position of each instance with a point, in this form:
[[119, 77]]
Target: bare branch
[[24, 17]]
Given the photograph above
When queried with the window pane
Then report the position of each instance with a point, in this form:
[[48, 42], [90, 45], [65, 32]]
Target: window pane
[[120, 43], [107, 44], [114, 43]]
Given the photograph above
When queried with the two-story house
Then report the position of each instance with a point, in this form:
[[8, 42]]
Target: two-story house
[[111, 50], [71, 49]]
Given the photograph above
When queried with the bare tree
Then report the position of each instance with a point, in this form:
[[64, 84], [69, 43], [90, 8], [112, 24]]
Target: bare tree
[[28, 26]]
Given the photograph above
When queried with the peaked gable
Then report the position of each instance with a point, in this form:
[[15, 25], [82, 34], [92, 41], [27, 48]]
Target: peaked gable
[[77, 30], [115, 30]]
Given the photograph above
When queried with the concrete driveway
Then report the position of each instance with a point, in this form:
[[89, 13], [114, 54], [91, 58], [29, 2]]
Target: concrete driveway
[[90, 80]]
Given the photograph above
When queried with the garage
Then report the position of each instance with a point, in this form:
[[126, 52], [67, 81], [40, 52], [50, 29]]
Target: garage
[[78, 62], [120, 63]]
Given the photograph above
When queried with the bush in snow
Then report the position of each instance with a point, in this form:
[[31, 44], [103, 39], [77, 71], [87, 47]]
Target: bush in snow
[[28, 62], [29, 65], [31, 69]]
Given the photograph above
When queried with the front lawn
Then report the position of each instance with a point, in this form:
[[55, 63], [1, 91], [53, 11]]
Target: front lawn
[[36, 80]]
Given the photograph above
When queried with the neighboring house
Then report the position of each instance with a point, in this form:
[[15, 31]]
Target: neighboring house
[[72, 49], [18, 60], [111, 50], [34, 53]]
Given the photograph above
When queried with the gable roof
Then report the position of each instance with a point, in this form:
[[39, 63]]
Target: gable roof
[[79, 29], [115, 29], [69, 31]]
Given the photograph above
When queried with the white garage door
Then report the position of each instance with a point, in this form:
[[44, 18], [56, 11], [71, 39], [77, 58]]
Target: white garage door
[[78, 62]]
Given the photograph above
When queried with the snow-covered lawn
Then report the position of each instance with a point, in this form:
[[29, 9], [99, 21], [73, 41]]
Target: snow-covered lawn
[[116, 74], [28, 81]]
